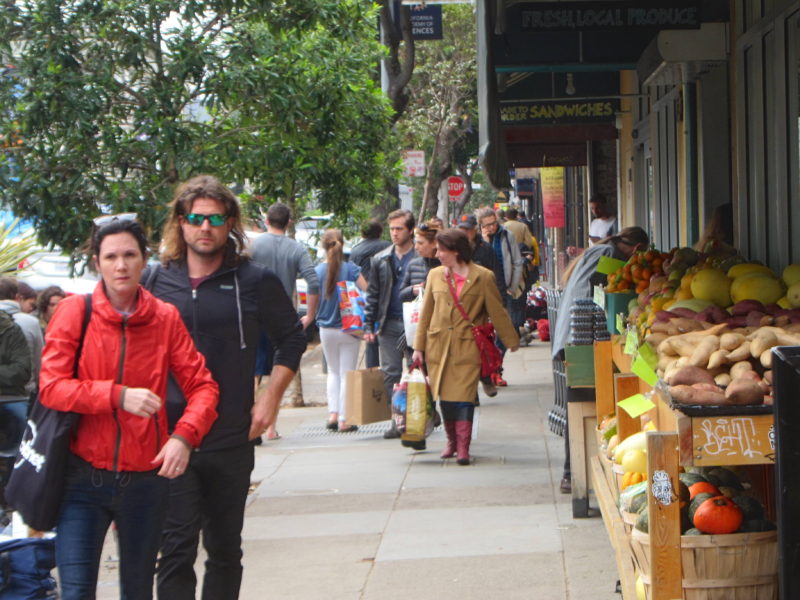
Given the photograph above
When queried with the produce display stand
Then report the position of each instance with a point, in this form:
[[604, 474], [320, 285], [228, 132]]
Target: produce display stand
[[682, 440], [580, 401]]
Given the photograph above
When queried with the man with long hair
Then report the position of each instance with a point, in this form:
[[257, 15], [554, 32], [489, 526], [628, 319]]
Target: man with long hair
[[226, 301]]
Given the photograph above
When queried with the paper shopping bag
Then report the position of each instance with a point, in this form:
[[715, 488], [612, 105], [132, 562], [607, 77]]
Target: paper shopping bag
[[366, 397]]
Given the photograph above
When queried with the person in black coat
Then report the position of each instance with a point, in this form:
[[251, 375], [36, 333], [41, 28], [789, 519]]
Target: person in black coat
[[417, 273], [362, 256]]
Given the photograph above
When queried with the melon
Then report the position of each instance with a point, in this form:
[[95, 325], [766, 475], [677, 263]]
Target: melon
[[712, 285], [745, 268], [791, 274], [761, 287]]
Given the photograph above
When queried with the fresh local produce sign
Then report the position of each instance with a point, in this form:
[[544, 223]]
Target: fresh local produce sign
[[559, 112], [584, 16]]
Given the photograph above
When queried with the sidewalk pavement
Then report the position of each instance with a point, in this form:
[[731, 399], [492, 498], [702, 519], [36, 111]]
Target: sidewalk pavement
[[354, 516]]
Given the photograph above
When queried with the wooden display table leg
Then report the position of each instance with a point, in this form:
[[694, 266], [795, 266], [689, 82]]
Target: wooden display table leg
[[582, 445], [664, 516], [625, 386], [603, 379]]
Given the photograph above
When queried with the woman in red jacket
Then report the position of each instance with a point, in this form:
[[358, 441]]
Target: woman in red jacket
[[121, 455]]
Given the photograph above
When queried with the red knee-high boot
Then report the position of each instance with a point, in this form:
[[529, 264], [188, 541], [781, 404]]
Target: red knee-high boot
[[463, 439], [450, 449]]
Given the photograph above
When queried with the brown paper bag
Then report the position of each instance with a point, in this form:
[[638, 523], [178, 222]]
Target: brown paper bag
[[366, 397]]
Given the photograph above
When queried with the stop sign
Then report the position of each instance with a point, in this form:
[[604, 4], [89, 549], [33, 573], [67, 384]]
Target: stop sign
[[455, 187]]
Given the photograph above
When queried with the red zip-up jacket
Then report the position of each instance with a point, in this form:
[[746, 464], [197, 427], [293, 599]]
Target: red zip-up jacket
[[135, 351]]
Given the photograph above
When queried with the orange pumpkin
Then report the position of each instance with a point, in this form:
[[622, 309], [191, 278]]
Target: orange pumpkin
[[701, 487], [718, 515]]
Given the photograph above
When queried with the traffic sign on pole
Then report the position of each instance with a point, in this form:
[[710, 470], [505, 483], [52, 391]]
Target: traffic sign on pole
[[456, 187]]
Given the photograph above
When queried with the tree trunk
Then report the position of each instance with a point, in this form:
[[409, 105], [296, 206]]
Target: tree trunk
[[398, 67], [297, 390]]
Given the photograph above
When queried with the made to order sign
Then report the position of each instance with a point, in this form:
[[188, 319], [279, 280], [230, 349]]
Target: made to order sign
[[563, 112]]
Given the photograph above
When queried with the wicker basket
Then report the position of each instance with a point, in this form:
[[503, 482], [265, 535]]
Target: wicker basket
[[618, 475], [611, 478], [737, 566], [629, 520]]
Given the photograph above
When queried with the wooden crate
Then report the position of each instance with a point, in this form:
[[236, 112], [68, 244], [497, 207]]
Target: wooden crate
[[737, 566], [579, 362]]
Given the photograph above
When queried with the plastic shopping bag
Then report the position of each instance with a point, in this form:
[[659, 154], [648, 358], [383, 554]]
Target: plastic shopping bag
[[351, 308], [419, 407], [411, 312], [399, 404]]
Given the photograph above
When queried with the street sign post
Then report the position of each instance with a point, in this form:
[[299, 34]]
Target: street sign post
[[456, 187], [414, 163]]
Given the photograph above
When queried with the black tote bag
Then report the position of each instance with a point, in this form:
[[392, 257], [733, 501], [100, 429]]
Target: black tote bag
[[36, 485]]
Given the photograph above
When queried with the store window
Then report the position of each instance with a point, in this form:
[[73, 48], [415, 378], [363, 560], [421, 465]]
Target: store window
[[768, 60]]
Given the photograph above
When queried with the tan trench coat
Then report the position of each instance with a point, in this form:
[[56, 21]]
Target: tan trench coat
[[446, 338]]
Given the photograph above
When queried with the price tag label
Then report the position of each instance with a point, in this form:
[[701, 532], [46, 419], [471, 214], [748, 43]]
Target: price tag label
[[631, 342], [649, 355], [620, 324], [644, 371], [636, 405], [607, 265], [599, 296]]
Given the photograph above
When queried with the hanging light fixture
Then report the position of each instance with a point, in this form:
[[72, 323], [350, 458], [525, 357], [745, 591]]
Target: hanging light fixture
[[570, 89]]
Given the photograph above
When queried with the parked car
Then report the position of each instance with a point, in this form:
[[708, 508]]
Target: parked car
[[48, 268]]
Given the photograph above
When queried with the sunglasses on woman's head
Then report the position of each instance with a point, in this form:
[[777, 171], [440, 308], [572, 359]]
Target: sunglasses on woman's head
[[197, 219], [107, 219]]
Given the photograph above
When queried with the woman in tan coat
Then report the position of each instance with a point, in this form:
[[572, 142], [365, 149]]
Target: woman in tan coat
[[444, 338]]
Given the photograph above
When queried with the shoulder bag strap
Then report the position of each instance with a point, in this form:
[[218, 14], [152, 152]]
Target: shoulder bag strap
[[460, 308], [87, 316]]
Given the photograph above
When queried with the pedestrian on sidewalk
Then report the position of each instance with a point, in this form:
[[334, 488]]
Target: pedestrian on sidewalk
[[384, 309], [361, 256], [121, 458], [509, 269], [578, 282], [226, 301], [288, 259], [46, 304], [444, 338], [9, 294], [340, 348], [418, 268]]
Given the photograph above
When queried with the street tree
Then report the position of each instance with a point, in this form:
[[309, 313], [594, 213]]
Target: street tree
[[108, 105], [443, 105]]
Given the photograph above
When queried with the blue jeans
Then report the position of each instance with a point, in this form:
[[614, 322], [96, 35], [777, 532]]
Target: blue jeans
[[94, 498]]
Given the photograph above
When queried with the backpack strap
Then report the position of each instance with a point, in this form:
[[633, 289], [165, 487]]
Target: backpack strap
[[87, 316]]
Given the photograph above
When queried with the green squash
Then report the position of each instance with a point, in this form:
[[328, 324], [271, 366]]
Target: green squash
[[638, 502], [642, 522], [726, 477], [696, 502], [751, 508], [691, 478], [693, 531], [756, 525]]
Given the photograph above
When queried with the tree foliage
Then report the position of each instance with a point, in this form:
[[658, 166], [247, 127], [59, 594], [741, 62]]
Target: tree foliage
[[442, 112], [115, 102]]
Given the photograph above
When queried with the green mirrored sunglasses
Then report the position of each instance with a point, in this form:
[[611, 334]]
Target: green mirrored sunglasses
[[197, 219]]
